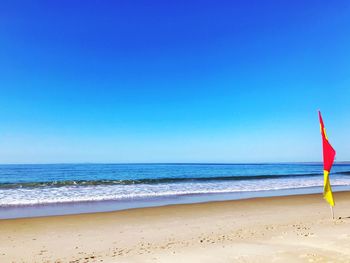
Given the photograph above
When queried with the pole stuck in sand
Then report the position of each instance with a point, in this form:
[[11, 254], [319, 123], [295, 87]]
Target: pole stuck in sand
[[332, 211]]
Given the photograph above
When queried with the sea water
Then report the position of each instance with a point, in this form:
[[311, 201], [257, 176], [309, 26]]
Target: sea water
[[46, 189]]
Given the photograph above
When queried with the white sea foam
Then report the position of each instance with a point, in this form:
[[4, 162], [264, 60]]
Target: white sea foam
[[72, 193]]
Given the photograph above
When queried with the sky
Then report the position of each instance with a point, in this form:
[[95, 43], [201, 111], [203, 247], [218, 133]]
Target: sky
[[173, 81]]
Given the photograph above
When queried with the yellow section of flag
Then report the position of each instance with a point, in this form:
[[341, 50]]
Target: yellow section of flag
[[327, 189]]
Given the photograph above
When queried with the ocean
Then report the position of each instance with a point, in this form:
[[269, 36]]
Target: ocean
[[52, 189]]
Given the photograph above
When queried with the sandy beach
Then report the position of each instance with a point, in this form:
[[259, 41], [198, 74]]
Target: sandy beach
[[276, 229]]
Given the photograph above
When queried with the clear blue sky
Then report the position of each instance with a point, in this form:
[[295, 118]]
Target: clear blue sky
[[173, 81]]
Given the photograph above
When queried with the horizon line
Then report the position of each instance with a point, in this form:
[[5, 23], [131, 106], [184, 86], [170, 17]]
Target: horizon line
[[175, 163]]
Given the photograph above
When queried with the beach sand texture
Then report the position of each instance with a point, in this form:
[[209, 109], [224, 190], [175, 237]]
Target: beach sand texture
[[276, 229]]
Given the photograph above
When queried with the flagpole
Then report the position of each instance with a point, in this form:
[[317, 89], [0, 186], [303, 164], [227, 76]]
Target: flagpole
[[332, 212], [328, 159]]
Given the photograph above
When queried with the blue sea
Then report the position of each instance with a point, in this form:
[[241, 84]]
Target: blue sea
[[48, 189]]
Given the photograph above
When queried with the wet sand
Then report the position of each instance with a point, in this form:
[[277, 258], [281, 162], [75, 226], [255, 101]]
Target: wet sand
[[275, 229]]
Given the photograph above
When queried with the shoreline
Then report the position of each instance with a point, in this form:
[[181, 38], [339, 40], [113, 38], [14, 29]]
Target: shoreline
[[87, 207], [184, 205], [284, 229]]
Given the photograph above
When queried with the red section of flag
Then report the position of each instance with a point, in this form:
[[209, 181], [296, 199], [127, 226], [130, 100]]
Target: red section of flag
[[328, 151]]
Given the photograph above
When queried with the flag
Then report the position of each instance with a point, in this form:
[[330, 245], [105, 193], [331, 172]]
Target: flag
[[328, 158]]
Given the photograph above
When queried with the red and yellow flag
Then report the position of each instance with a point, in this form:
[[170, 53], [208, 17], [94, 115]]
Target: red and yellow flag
[[328, 158]]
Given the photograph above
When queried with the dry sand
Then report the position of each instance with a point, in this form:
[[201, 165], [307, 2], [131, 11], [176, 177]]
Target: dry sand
[[277, 229]]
